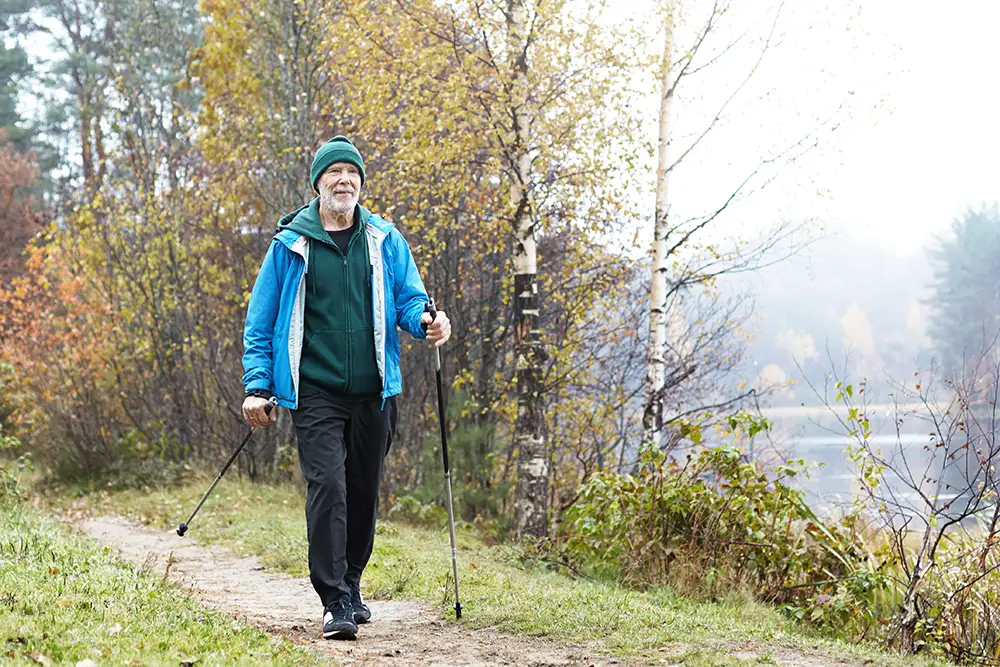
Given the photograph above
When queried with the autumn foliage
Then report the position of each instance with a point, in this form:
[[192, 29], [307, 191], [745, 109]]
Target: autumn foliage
[[125, 330], [19, 219]]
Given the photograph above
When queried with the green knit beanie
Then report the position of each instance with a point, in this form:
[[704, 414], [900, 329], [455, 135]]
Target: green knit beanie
[[338, 149]]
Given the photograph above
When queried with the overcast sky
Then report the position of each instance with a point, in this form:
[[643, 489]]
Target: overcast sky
[[916, 143]]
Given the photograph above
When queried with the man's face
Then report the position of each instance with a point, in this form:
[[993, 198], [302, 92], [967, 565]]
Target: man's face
[[339, 187]]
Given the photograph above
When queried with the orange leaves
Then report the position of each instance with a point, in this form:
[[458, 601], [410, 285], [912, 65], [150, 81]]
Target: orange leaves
[[19, 222]]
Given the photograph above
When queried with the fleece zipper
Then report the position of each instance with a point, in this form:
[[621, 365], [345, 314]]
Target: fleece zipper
[[347, 309], [347, 316]]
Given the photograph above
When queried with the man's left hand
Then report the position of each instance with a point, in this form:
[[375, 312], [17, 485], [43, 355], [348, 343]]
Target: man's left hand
[[438, 331]]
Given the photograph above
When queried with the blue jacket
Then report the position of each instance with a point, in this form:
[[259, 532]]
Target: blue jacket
[[272, 337]]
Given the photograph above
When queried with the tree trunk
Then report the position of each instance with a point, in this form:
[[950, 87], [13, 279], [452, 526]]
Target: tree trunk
[[86, 148], [656, 351], [904, 622], [532, 460]]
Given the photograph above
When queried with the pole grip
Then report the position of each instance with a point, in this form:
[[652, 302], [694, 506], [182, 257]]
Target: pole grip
[[429, 307]]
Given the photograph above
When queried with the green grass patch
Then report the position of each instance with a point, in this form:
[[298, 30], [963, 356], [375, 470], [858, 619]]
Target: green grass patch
[[64, 600], [499, 587]]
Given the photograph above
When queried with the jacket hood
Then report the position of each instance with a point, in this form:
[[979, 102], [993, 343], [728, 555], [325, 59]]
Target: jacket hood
[[306, 220]]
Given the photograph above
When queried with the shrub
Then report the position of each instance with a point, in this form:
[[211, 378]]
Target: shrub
[[10, 471], [959, 598], [712, 524], [412, 510]]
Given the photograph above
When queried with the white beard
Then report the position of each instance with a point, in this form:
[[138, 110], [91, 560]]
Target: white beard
[[331, 203]]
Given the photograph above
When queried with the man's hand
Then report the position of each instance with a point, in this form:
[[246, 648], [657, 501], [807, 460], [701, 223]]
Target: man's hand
[[254, 414], [438, 331]]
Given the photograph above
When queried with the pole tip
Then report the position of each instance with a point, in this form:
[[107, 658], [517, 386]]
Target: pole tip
[[181, 529], [458, 611]]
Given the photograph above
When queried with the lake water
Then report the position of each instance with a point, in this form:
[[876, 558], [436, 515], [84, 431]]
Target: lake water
[[817, 436]]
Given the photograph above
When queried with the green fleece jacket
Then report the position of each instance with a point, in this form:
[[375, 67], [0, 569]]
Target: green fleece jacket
[[338, 350]]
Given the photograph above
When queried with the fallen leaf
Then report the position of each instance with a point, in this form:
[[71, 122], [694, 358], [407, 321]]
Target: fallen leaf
[[39, 658], [86, 663], [188, 662], [65, 602], [115, 629], [53, 570]]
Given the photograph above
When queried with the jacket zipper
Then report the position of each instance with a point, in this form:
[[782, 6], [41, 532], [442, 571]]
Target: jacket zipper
[[347, 319]]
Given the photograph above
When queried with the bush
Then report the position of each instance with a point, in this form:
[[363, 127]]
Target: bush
[[10, 471], [849, 608], [6, 401], [412, 510], [959, 597], [714, 524]]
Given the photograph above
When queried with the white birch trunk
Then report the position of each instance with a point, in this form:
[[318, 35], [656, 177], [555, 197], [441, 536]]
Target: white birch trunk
[[532, 460], [656, 351]]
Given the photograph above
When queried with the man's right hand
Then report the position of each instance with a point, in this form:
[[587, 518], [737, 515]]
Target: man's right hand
[[254, 414]]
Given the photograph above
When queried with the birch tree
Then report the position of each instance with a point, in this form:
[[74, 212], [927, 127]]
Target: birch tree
[[680, 259], [652, 418], [532, 466], [540, 82]]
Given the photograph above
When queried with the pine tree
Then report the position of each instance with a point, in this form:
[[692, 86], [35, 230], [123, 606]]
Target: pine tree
[[18, 178], [965, 319], [14, 68]]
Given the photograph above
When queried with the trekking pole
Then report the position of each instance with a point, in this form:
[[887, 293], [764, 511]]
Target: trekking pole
[[429, 308], [181, 529]]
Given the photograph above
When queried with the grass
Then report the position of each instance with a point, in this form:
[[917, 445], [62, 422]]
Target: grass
[[499, 588], [64, 600]]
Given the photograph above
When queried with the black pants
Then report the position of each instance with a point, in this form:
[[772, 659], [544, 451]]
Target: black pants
[[342, 443]]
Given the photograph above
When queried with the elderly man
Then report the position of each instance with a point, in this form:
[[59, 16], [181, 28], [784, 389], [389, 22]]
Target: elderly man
[[321, 337]]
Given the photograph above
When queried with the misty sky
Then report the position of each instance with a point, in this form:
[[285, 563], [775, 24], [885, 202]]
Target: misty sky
[[916, 140], [904, 95], [915, 144]]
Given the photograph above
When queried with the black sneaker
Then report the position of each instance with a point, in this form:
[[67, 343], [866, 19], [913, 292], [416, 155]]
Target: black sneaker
[[362, 614], [338, 621]]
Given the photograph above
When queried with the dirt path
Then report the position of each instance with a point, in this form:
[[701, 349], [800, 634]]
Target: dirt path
[[401, 632]]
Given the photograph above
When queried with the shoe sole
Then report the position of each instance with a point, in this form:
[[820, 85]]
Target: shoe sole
[[341, 633]]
